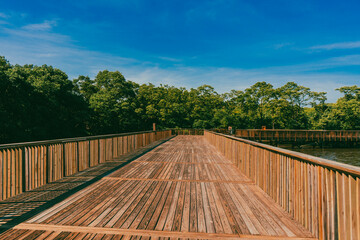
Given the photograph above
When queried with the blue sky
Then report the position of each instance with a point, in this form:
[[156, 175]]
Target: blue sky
[[229, 44]]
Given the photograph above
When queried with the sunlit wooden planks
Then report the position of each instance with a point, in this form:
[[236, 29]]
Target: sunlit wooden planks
[[26, 166], [94, 233], [286, 135], [11, 167], [321, 195], [181, 196]]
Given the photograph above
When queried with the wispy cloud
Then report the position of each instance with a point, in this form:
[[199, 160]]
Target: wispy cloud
[[226, 79], [282, 45], [3, 15], [170, 59], [44, 26], [40, 44], [3, 22], [333, 46]]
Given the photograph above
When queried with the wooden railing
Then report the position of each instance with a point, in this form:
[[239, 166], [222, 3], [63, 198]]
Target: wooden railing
[[322, 195], [280, 135], [187, 131], [25, 166]]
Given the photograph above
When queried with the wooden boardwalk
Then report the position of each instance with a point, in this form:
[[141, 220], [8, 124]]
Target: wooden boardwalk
[[183, 189]]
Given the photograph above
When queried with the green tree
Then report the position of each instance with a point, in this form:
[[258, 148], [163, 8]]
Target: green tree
[[345, 113], [111, 98]]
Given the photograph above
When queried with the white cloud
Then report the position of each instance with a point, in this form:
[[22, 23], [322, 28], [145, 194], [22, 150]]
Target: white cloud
[[3, 15], [24, 46], [45, 26], [226, 79], [281, 45], [170, 59], [342, 45]]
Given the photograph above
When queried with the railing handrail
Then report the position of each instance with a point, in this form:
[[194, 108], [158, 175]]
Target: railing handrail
[[342, 167], [66, 140], [295, 130]]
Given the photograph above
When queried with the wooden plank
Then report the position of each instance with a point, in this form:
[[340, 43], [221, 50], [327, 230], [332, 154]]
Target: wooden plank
[[129, 204], [118, 203], [177, 180], [177, 197], [142, 232], [179, 209], [217, 213], [235, 216], [131, 213], [2, 176], [142, 222], [353, 214], [171, 212], [358, 206], [165, 208]]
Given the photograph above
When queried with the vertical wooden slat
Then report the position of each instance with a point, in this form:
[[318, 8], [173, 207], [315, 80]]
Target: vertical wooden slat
[[8, 173], [347, 215], [358, 206], [323, 199], [2, 187], [27, 167], [353, 213]]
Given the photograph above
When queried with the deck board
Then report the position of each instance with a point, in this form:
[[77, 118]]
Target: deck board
[[183, 189]]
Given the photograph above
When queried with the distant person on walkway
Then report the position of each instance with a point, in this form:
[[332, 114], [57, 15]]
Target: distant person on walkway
[[230, 130]]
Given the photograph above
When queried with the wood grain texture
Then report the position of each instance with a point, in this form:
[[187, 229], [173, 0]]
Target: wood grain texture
[[288, 135], [16, 209], [26, 166], [321, 195], [161, 196]]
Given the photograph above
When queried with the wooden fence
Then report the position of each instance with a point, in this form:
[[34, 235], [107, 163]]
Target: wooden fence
[[185, 131], [300, 135], [322, 195], [26, 166]]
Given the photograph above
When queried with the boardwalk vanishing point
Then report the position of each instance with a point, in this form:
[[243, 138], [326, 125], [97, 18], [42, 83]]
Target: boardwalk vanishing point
[[183, 189], [152, 185]]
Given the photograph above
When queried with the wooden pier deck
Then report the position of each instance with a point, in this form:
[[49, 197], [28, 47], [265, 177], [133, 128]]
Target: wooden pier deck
[[182, 189]]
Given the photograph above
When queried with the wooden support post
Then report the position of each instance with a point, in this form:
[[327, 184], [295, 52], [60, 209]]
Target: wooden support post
[[89, 153], [98, 151], [23, 170], [64, 158], [47, 169], [77, 156]]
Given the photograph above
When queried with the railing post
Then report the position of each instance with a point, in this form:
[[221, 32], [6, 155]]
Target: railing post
[[89, 152], [47, 168], [112, 148], [63, 156], [77, 156], [99, 151], [23, 170]]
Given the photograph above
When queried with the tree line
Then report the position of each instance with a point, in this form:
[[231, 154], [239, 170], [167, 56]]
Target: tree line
[[41, 102]]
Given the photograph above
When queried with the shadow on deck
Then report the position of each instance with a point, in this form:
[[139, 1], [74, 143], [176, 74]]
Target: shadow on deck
[[180, 189], [23, 206]]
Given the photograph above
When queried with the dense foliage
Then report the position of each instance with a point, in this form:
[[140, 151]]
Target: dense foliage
[[42, 103]]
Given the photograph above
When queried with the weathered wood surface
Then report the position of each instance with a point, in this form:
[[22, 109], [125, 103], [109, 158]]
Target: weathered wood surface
[[17, 209], [26, 166], [189, 131], [287, 135], [322, 195], [183, 189]]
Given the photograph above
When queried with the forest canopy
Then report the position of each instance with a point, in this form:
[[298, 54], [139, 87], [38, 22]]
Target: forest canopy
[[41, 102]]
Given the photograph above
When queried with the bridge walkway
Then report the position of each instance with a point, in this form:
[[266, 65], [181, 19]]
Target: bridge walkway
[[182, 189]]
